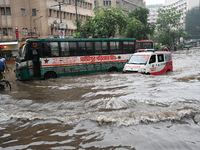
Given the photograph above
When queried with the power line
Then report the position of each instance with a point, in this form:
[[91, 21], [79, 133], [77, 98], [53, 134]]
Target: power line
[[59, 5]]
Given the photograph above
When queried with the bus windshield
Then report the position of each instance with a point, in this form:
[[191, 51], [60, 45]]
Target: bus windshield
[[21, 52], [138, 59]]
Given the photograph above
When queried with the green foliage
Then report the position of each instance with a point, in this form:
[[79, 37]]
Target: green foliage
[[106, 22], [157, 47], [109, 21], [192, 23], [140, 14], [137, 25], [168, 26], [168, 19]]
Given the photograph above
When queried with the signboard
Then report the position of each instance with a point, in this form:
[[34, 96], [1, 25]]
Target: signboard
[[16, 31], [63, 25], [61, 34]]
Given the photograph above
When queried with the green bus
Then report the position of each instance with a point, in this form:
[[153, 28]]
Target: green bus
[[51, 58]]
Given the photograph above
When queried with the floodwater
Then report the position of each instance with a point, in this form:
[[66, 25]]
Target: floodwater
[[110, 111]]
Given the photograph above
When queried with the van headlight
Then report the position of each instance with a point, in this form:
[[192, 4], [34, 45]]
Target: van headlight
[[124, 69], [142, 70]]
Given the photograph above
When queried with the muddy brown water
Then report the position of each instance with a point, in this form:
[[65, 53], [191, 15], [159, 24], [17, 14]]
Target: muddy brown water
[[110, 111]]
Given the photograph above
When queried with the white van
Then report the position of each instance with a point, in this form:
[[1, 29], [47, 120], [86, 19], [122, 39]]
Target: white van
[[154, 63]]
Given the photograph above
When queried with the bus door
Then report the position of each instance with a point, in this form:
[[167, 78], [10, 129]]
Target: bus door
[[36, 62]]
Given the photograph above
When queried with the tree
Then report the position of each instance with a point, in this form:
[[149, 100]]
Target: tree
[[106, 23], [192, 23], [137, 25], [168, 24]]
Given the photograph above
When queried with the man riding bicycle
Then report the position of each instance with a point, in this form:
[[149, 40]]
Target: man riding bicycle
[[2, 67]]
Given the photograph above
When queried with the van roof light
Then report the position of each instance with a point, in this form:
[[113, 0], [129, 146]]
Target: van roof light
[[146, 50]]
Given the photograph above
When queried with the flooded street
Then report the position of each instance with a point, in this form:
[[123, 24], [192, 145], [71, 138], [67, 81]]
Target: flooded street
[[110, 111]]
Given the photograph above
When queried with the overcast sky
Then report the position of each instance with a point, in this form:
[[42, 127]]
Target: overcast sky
[[151, 2]]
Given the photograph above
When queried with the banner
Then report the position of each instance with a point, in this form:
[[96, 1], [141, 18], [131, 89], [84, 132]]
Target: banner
[[61, 34]]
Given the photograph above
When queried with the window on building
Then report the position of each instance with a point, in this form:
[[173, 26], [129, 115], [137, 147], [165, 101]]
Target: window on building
[[2, 10], [25, 31], [8, 12], [5, 32], [10, 31], [58, 13], [117, 4], [95, 3], [34, 12], [50, 12], [23, 12], [51, 31], [70, 16], [65, 15]]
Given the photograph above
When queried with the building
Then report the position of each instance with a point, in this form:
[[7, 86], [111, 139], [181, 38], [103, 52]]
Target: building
[[43, 18], [130, 5], [183, 5], [39, 18]]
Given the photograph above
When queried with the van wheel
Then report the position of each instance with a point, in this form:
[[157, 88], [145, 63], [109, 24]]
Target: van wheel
[[50, 75], [168, 70], [112, 69]]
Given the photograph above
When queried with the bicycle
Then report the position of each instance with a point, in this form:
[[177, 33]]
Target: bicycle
[[7, 69], [4, 84]]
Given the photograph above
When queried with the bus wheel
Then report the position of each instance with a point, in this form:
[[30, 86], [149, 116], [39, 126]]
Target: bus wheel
[[112, 69], [49, 75]]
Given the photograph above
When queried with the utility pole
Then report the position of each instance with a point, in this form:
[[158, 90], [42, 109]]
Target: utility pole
[[76, 14], [35, 24], [59, 5]]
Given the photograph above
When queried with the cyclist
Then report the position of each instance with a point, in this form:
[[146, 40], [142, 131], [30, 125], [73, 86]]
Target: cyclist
[[2, 67]]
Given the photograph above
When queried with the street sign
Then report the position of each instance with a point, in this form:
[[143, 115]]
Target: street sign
[[62, 25]]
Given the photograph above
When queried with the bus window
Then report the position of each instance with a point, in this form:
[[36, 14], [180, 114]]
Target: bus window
[[72, 48], [45, 49], [64, 48], [105, 48], [115, 48], [89, 47], [125, 47], [82, 48], [54, 48], [131, 47], [98, 48]]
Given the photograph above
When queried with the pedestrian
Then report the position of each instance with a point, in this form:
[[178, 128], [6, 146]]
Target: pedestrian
[[174, 47]]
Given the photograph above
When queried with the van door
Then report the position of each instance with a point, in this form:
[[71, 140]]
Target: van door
[[152, 65], [161, 64]]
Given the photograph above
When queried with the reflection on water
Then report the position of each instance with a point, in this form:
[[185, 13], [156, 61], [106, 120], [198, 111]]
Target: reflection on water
[[105, 110]]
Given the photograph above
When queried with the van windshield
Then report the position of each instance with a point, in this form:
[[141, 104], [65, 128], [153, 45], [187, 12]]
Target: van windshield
[[138, 59]]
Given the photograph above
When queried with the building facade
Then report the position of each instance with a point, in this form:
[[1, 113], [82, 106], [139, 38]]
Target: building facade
[[183, 5], [130, 5], [39, 18]]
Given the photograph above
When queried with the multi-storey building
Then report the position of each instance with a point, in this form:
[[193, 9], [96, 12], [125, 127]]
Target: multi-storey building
[[42, 17], [130, 5], [39, 18], [183, 5]]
